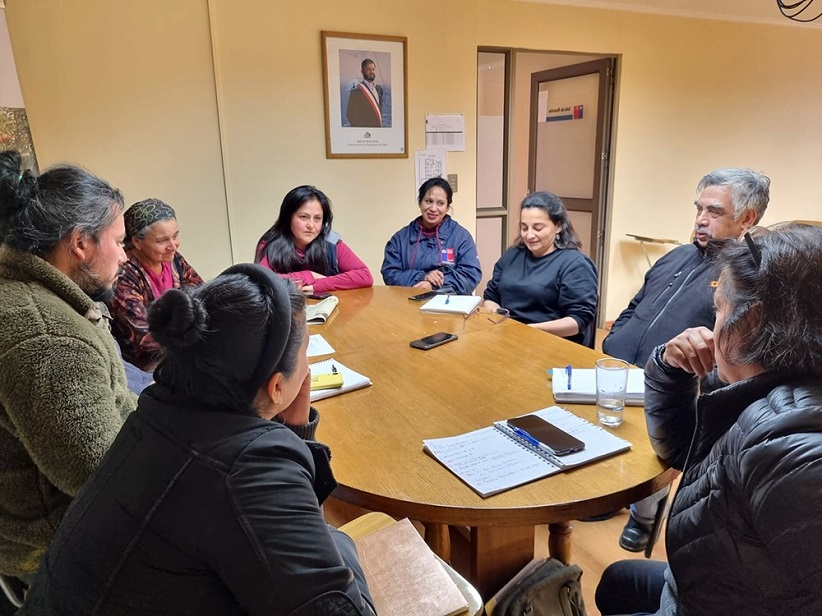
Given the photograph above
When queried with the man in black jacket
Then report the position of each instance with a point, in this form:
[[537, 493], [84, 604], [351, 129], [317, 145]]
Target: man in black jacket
[[678, 293]]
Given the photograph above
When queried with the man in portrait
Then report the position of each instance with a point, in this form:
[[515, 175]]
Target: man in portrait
[[366, 99]]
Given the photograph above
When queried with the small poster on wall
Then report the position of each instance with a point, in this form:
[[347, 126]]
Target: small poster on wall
[[364, 80]]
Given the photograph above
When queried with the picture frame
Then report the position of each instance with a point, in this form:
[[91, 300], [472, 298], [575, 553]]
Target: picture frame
[[365, 85]]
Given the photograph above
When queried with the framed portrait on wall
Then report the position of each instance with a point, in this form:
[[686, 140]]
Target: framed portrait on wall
[[365, 83]]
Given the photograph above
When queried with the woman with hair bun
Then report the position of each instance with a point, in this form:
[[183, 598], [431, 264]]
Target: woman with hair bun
[[544, 280], [208, 501], [301, 246]]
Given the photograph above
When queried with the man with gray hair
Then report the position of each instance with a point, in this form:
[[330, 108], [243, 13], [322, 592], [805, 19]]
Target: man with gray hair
[[678, 293], [63, 392]]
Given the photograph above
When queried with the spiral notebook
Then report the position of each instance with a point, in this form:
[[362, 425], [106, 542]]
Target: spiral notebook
[[494, 459], [351, 380]]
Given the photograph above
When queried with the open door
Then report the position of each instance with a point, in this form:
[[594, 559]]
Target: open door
[[571, 115]]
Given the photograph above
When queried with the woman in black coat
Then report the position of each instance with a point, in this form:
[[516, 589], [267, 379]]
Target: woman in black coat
[[208, 501], [744, 533]]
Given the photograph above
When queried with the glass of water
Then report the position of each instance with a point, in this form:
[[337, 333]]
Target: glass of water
[[612, 378]]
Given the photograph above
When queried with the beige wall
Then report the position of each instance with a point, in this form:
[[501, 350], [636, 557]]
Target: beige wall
[[128, 89], [269, 71], [693, 95]]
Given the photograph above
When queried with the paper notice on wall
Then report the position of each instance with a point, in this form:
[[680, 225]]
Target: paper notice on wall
[[445, 130], [429, 164]]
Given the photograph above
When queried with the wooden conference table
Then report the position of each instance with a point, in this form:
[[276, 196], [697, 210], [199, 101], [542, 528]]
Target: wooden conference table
[[493, 371]]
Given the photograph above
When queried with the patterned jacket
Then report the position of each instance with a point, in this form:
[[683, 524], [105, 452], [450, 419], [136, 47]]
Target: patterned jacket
[[129, 309]]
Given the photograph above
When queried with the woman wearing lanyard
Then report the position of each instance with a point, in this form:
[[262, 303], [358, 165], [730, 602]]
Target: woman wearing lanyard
[[433, 252], [154, 266]]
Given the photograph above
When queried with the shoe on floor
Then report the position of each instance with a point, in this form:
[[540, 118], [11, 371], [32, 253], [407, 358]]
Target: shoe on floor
[[635, 535], [601, 517]]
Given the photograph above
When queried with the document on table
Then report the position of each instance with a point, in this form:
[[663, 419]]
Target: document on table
[[317, 345], [493, 459], [583, 388]]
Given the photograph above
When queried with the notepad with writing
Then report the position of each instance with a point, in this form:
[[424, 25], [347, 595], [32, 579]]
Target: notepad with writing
[[455, 304], [494, 459], [584, 386], [321, 311], [403, 575], [351, 380]]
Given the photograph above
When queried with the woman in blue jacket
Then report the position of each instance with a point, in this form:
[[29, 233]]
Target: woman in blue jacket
[[433, 252]]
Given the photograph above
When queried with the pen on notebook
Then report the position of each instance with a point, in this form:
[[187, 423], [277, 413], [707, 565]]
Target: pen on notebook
[[447, 298], [535, 443], [568, 372]]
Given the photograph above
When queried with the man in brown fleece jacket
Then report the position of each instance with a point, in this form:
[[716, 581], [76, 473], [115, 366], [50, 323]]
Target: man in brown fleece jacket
[[63, 392]]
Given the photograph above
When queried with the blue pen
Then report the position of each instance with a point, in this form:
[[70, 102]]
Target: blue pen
[[525, 436], [447, 298], [535, 443], [568, 372]]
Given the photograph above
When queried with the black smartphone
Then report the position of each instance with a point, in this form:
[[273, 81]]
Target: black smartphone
[[424, 296], [319, 295], [434, 340], [548, 434]]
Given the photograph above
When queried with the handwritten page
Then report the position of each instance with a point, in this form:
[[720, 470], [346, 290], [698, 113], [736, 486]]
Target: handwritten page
[[489, 461], [317, 345]]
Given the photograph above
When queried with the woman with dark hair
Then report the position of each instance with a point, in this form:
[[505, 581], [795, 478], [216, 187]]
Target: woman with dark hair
[[154, 266], [544, 280], [433, 252], [301, 246], [208, 502], [739, 411]]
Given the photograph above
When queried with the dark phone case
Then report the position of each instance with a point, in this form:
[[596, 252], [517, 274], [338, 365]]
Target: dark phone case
[[423, 296], [433, 341], [548, 434]]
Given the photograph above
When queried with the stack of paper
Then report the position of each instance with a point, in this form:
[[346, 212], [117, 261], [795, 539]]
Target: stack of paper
[[456, 304], [351, 380], [404, 576], [583, 388]]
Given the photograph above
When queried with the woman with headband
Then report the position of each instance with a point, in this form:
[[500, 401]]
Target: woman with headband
[[154, 266], [208, 502]]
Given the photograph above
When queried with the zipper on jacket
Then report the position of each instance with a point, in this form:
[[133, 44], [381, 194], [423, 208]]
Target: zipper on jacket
[[670, 284], [667, 303]]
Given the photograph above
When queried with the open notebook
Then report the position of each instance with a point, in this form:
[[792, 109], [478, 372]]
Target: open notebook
[[455, 304], [321, 311], [494, 459], [351, 380], [584, 386]]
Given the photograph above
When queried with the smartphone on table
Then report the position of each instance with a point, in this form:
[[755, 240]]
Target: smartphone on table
[[319, 295], [548, 434], [424, 296], [432, 341]]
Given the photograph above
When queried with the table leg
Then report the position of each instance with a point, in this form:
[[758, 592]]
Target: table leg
[[559, 541], [497, 555], [439, 540]]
